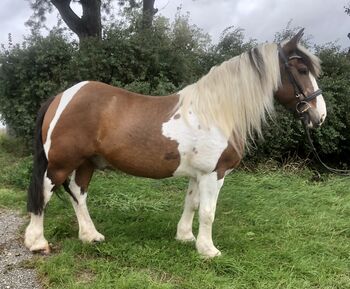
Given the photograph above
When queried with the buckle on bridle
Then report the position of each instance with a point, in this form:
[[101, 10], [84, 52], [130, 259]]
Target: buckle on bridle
[[302, 107]]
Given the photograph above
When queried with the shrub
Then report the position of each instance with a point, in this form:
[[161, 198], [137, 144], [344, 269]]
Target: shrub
[[29, 74], [158, 62]]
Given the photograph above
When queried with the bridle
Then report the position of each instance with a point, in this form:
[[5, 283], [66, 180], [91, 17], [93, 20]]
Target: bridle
[[303, 104]]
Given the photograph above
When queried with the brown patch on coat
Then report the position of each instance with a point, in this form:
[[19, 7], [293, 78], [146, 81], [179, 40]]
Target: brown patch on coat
[[172, 156], [177, 116], [228, 160]]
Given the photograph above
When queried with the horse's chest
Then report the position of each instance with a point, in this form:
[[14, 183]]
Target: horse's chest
[[199, 148]]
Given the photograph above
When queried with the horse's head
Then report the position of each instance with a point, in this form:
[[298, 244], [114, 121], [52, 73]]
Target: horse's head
[[299, 91]]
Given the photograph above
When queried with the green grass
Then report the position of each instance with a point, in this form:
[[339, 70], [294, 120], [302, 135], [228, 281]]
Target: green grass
[[276, 229]]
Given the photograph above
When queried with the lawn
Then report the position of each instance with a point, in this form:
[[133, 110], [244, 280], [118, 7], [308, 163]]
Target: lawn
[[275, 228]]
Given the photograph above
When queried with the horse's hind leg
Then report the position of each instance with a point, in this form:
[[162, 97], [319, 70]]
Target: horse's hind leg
[[184, 227], [77, 187], [34, 236]]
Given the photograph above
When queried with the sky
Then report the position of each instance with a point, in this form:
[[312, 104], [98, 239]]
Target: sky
[[325, 20]]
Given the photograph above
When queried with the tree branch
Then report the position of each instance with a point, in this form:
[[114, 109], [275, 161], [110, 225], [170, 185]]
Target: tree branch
[[69, 17]]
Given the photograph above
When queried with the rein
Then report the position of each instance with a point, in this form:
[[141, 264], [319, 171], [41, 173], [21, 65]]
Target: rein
[[314, 151], [303, 106]]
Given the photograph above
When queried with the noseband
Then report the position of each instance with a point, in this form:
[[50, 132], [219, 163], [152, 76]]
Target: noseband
[[303, 104]]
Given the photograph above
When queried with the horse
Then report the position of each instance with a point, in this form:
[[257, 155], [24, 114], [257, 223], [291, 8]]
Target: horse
[[200, 132]]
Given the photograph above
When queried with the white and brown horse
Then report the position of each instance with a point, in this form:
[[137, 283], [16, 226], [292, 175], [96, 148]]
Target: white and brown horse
[[199, 132]]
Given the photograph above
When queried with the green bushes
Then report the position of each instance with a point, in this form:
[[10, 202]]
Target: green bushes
[[30, 74], [160, 62]]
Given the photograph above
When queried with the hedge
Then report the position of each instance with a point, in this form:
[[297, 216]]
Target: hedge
[[161, 62]]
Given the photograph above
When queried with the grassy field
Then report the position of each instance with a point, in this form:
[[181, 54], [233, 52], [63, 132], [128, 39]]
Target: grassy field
[[275, 228]]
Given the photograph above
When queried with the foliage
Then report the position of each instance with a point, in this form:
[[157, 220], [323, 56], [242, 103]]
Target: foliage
[[29, 75], [160, 61], [347, 9]]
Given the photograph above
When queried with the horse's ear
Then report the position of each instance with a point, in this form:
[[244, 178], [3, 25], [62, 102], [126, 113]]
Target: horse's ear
[[291, 45]]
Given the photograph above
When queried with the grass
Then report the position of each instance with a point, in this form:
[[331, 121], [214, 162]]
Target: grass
[[275, 228]]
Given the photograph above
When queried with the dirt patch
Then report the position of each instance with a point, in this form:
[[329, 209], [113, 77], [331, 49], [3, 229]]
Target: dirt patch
[[13, 255]]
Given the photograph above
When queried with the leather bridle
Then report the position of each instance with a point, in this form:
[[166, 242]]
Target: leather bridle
[[303, 104]]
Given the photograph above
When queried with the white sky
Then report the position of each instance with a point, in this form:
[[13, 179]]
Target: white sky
[[261, 19]]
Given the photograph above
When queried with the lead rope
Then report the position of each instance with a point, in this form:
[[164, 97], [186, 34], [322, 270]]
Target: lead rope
[[332, 170]]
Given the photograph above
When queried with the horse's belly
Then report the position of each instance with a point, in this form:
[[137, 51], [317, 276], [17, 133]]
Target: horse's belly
[[139, 162]]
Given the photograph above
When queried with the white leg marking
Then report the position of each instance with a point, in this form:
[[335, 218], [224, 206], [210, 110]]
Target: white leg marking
[[48, 189], [34, 238], [184, 227], [209, 188], [65, 99], [87, 230], [320, 103]]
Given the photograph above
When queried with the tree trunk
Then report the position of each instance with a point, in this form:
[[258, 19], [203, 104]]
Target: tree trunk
[[89, 25], [148, 12]]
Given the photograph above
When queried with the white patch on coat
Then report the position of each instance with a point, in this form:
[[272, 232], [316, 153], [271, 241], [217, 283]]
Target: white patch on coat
[[47, 189], [320, 103], [200, 148], [34, 236], [87, 230], [65, 99]]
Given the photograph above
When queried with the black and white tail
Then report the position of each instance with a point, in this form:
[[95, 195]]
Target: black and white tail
[[35, 202]]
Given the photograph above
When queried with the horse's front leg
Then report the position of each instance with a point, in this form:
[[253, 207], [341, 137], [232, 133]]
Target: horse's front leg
[[184, 227], [209, 187]]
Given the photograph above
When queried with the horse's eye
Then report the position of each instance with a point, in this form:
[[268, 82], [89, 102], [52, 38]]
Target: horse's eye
[[303, 71]]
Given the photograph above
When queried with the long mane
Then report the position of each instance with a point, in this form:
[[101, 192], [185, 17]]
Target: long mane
[[237, 95]]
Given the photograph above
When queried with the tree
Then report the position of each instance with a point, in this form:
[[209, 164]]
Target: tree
[[89, 24], [148, 12], [347, 11]]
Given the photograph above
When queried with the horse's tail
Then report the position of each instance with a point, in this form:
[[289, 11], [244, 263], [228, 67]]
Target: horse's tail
[[35, 202]]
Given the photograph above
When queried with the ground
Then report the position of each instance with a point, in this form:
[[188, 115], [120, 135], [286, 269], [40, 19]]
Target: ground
[[13, 255]]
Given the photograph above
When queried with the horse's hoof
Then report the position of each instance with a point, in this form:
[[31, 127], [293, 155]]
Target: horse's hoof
[[186, 239], [94, 237], [208, 251], [41, 249]]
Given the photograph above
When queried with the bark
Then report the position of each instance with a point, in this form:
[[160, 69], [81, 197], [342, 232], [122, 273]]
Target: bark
[[148, 12], [89, 25]]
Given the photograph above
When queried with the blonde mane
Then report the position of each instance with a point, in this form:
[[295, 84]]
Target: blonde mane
[[237, 95]]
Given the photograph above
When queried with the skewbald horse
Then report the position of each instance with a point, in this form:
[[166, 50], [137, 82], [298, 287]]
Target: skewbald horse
[[200, 132]]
